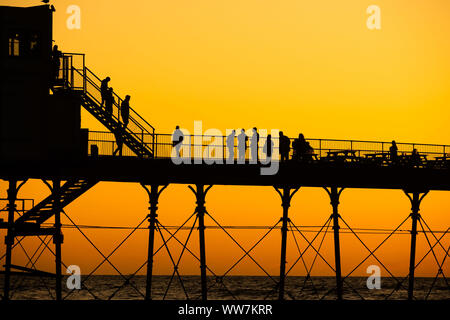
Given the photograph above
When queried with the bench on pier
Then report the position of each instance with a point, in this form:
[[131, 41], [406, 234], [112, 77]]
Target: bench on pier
[[381, 158], [442, 162], [419, 160], [305, 157], [342, 156]]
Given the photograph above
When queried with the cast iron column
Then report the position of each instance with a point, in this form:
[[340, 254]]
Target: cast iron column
[[334, 194], [9, 239], [415, 200], [200, 194], [153, 195], [57, 237], [286, 197]]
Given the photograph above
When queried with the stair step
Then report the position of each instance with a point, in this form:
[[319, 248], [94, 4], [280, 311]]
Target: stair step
[[44, 210]]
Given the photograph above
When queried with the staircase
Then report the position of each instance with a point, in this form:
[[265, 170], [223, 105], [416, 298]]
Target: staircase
[[70, 191], [113, 125], [138, 136]]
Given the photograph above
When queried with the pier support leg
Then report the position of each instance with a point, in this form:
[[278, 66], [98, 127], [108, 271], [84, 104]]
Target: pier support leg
[[57, 237], [286, 197], [9, 239], [200, 194], [335, 194], [415, 198], [153, 195]]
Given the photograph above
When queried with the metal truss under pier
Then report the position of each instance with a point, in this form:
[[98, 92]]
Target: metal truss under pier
[[156, 174]]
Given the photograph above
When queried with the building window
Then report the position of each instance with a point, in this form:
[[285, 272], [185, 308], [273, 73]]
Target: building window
[[24, 44], [14, 45], [34, 45]]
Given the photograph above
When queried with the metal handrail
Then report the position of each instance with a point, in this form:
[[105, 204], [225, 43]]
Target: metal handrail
[[337, 140], [118, 100], [118, 104], [116, 118], [165, 140], [131, 109], [89, 78]]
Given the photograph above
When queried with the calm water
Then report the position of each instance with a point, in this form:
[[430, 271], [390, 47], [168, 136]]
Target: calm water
[[239, 287]]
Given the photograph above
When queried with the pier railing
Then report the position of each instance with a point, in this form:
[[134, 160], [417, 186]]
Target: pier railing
[[215, 148]]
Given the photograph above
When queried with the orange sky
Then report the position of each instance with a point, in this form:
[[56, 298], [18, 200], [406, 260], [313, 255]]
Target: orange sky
[[309, 66]]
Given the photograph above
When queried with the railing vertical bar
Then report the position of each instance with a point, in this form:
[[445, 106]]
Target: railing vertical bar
[[320, 147]]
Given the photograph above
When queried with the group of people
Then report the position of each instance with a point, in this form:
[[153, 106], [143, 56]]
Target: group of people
[[414, 159], [107, 94], [242, 139], [302, 150]]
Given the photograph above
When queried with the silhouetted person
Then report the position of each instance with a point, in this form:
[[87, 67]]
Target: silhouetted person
[[109, 100], [301, 147], [268, 147], [230, 146], [242, 146], [415, 158], [254, 145], [56, 61], [309, 151], [118, 134], [125, 111], [285, 146], [177, 139], [393, 151], [297, 145], [104, 89]]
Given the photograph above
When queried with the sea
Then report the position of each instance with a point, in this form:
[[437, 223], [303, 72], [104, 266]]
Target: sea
[[107, 287]]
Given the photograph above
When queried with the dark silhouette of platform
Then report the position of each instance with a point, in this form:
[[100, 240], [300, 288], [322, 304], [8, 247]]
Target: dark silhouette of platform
[[42, 139]]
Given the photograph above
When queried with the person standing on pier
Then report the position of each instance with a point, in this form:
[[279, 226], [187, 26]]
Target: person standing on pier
[[415, 158], [242, 146], [254, 146], [230, 146], [285, 146], [125, 111], [393, 152], [56, 62], [104, 89], [268, 148], [177, 139]]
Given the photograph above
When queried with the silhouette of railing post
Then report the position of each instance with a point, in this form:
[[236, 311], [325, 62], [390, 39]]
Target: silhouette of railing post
[[57, 237], [200, 194], [286, 197], [9, 239], [153, 195], [415, 200], [320, 147], [335, 194]]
